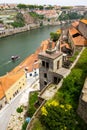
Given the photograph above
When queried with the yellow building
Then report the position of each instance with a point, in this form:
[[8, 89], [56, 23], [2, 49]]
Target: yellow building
[[10, 85]]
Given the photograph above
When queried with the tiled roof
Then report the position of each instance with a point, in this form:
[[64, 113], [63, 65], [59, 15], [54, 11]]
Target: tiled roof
[[73, 31], [78, 40], [44, 45], [84, 21], [75, 24], [1, 92], [8, 80]]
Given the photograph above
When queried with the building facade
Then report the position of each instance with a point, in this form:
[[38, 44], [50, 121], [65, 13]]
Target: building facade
[[10, 85], [50, 63]]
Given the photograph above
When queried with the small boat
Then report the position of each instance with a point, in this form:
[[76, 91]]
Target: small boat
[[13, 58]]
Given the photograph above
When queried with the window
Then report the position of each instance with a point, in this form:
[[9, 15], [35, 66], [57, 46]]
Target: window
[[45, 75], [30, 74], [0, 107], [57, 64], [43, 63], [5, 102], [55, 80], [45, 83], [47, 65]]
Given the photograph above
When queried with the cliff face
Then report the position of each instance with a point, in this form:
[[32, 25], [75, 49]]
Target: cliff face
[[28, 18]]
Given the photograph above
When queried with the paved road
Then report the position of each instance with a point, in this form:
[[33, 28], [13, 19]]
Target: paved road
[[9, 109]]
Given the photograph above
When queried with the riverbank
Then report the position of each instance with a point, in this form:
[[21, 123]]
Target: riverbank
[[12, 31], [9, 32]]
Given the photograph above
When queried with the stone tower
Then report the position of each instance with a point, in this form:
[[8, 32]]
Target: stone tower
[[50, 63]]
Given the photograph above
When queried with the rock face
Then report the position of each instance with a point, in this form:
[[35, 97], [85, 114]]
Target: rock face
[[82, 108], [28, 18]]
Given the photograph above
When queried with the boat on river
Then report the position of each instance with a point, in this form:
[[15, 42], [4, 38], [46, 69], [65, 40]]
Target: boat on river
[[13, 58]]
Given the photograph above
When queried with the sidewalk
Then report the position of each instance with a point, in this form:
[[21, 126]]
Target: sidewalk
[[17, 119]]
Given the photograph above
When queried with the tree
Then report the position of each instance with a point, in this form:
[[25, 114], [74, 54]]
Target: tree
[[22, 6], [57, 116], [54, 36], [19, 22]]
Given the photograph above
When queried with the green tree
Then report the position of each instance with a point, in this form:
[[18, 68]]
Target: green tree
[[19, 22], [59, 117], [54, 36], [22, 6]]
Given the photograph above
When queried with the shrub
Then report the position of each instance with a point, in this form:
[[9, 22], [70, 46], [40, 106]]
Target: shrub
[[19, 109], [24, 126]]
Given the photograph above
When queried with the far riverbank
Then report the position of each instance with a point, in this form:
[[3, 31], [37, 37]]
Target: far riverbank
[[12, 31]]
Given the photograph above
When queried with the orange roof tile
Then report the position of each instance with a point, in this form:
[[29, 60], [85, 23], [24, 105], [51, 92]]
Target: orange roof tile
[[84, 21], [80, 41], [44, 45], [8, 80], [75, 24], [73, 31], [1, 92]]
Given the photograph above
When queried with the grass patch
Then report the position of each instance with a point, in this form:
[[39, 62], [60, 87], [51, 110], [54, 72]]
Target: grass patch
[[38, 126], [72, 59], [32, 99]]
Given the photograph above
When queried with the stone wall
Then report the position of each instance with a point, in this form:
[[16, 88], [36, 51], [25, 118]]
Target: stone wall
[[82, 107], [9, 32]]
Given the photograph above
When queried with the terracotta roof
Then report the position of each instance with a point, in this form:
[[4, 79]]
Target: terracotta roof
[[73, 31], [75, 24], [8, 80], [1, 92], [84, 21], [44, 45], [80, 41]]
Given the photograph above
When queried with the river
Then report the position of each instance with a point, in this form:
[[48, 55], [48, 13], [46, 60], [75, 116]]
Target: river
[[22, 44]]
